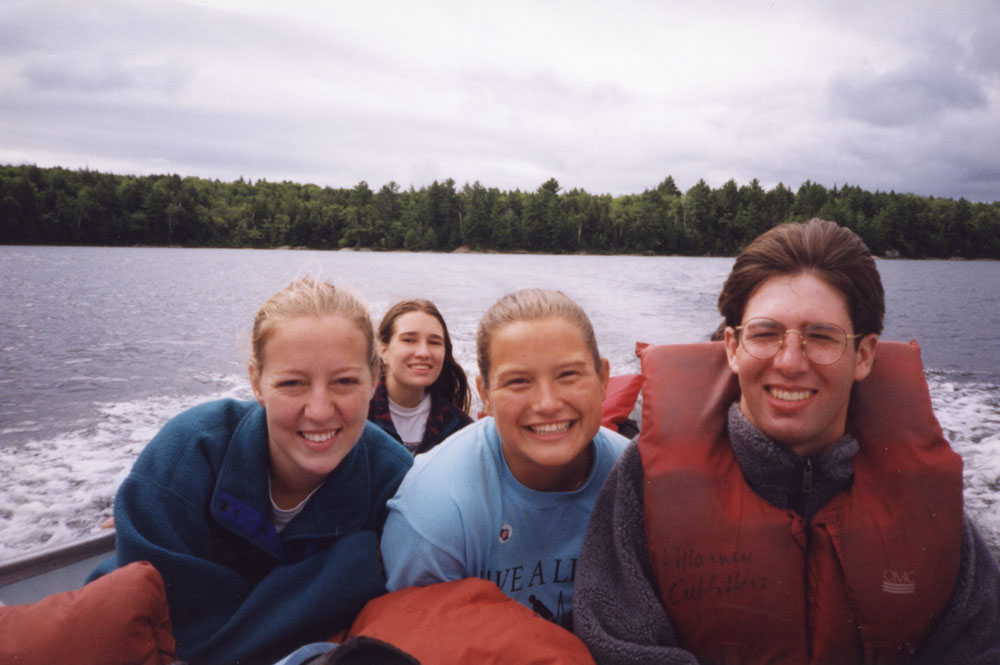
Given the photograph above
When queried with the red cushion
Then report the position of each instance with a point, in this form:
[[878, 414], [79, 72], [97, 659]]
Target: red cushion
[[116, 619], [467, 621], [622, 393]]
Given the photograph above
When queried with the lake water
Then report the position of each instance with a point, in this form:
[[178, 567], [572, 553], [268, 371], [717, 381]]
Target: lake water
[[100, 346]]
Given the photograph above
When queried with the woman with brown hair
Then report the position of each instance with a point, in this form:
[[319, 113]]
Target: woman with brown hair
[[423, 395]]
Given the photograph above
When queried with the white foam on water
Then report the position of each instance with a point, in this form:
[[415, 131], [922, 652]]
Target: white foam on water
[[56, 490], [21, 428], [969, 414]]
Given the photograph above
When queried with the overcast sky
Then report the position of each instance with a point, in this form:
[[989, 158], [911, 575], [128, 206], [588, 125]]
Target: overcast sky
[[605, 96]]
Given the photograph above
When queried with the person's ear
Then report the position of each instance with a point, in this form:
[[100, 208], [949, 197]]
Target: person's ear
[[484, 395], [255, 384], [865, 356], [732, 342]]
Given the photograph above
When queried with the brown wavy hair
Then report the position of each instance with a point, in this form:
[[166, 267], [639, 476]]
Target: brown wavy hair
[[832, 252], [452, 382]]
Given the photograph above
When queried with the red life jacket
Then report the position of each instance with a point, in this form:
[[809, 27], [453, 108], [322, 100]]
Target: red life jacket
[[746, 582], [619, 399]]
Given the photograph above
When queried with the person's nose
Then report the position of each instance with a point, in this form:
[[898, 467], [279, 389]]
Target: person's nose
[[320, 405], [547, 397], [792, 354]]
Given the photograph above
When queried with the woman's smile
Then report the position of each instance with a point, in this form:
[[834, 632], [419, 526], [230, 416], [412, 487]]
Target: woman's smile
[[551, 428], [414, 356], [319, 437], [545, 394], [314, 387]]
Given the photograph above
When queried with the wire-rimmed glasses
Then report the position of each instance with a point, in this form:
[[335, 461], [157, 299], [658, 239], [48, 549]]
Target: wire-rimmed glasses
[[822, 343]]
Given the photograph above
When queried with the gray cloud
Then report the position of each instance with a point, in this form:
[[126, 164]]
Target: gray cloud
[[336, 93], [919, 91], [94, 76], [985, 54]]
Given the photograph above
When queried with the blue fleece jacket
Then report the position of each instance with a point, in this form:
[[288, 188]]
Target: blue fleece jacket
[[196, 504]]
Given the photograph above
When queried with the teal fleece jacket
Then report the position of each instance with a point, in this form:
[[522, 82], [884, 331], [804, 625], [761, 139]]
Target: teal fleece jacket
[[196, 505]]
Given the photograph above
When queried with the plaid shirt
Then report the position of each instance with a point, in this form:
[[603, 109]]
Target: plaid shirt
[[444, 419]]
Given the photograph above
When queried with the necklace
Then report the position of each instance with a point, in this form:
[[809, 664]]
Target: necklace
[[587, 467]]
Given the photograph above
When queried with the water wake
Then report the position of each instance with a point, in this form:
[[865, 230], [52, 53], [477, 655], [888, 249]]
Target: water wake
[[56, 490]]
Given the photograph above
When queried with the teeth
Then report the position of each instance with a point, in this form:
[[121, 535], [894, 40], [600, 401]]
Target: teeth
[[791, 395], [551, 428], [319, 438]]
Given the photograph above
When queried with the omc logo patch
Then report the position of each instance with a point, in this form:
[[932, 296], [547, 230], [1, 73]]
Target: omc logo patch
[[899, 582]]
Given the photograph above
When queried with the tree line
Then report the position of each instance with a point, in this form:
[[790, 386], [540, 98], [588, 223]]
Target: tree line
[[85, 207]]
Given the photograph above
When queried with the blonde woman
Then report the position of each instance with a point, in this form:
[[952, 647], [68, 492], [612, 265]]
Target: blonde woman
[[508, 498], [263, 517]]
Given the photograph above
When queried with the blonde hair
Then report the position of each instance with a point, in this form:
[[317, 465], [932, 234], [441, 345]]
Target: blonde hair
[[530, 305], [309, 296]]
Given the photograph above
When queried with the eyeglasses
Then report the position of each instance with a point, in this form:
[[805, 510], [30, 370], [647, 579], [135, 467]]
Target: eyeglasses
[[822, 343]]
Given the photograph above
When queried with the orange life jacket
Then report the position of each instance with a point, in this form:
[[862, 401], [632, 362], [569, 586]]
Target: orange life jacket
[[467, 621], [745, 582]]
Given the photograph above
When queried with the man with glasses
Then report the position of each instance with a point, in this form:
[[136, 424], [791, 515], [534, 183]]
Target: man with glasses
[[791, 498]]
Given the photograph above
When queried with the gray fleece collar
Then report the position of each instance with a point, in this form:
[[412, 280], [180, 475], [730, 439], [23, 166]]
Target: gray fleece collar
[[784, 479]]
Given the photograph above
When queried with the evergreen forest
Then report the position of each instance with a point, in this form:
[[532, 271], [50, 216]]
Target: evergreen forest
[[83, 207]]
